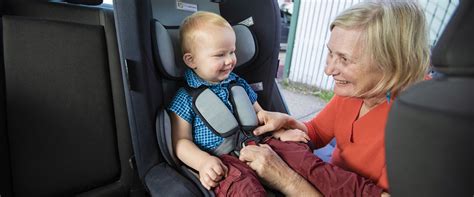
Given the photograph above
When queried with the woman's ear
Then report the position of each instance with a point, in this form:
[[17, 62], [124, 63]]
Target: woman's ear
[[188, 60]]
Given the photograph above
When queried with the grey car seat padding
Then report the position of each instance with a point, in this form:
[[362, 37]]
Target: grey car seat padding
[[243, 108], [215, 114], [235, 127], [167, 51]]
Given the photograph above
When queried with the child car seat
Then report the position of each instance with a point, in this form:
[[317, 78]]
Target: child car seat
[[150, 84], [167, 55]]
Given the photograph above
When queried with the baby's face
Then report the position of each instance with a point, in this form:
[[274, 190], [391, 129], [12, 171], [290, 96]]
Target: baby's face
[[214, 53]]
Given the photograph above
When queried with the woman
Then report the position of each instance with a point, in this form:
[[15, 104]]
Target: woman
[[376, 50]]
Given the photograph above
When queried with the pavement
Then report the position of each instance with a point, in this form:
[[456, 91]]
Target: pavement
[[302, 106]]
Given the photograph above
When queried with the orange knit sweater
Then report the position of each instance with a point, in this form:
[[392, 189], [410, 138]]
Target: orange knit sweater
[[360, 141]]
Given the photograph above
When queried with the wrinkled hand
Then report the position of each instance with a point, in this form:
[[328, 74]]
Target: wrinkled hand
[[270, 121], [268, 165], [211, 171], [275, 172], [293, 135]]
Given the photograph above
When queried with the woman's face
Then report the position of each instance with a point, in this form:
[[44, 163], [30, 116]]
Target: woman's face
[[350, 68]]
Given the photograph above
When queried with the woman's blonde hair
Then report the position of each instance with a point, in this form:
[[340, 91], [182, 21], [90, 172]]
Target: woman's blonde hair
[[194, 23], [395, 39]]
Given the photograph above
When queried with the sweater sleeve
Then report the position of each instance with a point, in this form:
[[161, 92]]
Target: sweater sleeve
[[321, 127]]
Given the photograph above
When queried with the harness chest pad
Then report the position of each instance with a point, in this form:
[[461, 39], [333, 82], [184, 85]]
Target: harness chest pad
[[214, 113], [235, 127], [243, 108]]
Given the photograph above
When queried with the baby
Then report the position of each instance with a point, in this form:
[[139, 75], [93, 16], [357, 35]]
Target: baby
[[208, 45]]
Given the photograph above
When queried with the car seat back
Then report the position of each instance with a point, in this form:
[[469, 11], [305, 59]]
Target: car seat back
[[66, 125], [5, 169], [430, 127]]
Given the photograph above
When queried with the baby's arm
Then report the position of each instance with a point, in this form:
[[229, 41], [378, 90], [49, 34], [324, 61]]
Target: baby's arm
[[211, 169]]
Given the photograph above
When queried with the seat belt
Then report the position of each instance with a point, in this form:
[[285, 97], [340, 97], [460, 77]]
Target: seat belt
[[236, 128]]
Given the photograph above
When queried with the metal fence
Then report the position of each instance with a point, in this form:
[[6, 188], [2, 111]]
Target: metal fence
[[309, 33]]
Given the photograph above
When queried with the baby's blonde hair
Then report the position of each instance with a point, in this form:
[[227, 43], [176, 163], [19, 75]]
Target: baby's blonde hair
[[193, 23], [395, 39]]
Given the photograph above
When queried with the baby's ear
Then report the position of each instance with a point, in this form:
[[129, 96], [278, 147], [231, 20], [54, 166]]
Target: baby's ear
[[188, 60]]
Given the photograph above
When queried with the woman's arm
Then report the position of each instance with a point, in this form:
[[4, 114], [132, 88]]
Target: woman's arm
[[257, 107], [316, 177], [272, 121]]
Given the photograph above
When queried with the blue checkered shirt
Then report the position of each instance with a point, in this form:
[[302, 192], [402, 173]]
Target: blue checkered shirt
[[181, 104]]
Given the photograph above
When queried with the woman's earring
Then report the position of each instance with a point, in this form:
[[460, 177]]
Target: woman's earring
[[388, 95]]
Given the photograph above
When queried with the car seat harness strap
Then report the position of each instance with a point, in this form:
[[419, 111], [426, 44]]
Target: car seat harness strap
[[235, 127]]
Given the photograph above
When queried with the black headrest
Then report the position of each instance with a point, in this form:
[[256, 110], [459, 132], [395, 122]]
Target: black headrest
[[429, 139], [167, 50], [85, 2], [453, 53]]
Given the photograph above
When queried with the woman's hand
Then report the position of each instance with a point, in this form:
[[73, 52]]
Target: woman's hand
[[275, 172], [272, 121], [211, 171], [292, 135], [265, 162]]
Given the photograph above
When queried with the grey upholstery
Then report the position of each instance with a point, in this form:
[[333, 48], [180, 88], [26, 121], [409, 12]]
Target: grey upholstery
[[430, 127], [218, 117], [166, 45], [67, 122], [246, 46], [54, 118], [244, 110], [168, 56]]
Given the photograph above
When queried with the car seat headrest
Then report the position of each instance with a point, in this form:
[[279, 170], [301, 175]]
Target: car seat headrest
[[85, 2], [452, 54], [167, 49]]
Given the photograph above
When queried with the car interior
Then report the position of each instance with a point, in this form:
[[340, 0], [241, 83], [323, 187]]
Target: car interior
[[430, 127], [65, 127], [84, 88]]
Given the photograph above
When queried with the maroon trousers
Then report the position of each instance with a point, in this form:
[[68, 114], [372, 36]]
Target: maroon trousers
[[330, 180]]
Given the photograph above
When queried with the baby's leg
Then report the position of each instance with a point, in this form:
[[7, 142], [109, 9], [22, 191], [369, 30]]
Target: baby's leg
[[327, 178], [241, 180]]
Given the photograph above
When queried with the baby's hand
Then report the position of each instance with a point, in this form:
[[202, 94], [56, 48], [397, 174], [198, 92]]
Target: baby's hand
[[294, 135], [211, 171]]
